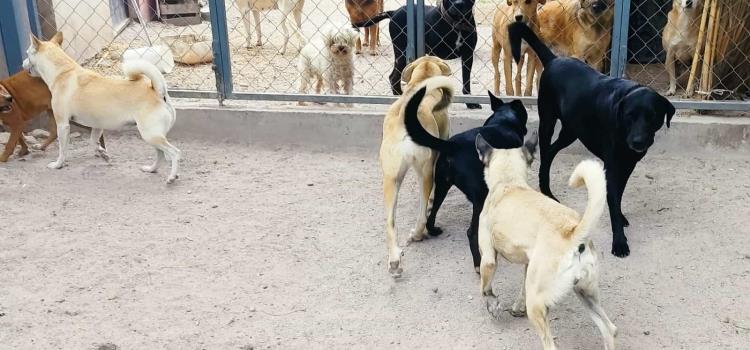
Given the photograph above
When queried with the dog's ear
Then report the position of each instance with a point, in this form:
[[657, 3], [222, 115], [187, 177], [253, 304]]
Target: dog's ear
[[509, 2], [444, 68], [484, 150], [35, 42], [406, 74], [495, 102], [668, 109], [520, 111], [57, 38]]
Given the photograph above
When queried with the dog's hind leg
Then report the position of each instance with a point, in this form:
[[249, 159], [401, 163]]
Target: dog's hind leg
[[24, 147], [245, 13], [427, 180], [157, 162], [52, 128], [473, 234], [442, 185], [530, 70], [392, 178], [398, 67], [170, 152], [99, 151], [565, 138], [495, 60], [537, 313], [588, 293], [489, 259], [519, 306], [256, 17], [286, 13]]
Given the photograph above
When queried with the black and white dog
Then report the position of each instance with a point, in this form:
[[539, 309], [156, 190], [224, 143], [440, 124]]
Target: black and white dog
[[450, 32]]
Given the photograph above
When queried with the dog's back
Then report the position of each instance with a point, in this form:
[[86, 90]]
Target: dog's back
[[30, 94]]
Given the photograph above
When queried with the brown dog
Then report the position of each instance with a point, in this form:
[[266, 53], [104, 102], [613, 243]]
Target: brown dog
[[363, 10], [514, 11], [578, 28], [22, 98], [680, 37]]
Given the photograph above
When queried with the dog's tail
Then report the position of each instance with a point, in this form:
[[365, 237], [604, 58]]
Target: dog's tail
[[414, 128], [590, 173], [374, 20], [518, 31], [133, 69]]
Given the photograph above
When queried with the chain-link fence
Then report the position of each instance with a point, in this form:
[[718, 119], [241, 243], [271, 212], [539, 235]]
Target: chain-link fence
[[255, 45]]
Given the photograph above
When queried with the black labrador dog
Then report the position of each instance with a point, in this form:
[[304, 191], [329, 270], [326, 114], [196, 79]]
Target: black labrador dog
[[450, 32], [459, 163], [616, 119]]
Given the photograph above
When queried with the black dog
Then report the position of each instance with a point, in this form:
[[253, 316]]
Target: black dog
[[450, 32], [615, 119], [459, 163]]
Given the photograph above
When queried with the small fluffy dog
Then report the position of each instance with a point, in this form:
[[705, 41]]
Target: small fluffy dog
[[680, 36], [578, 28], [99, 102], [328, 57], [519, 11], [398, 152], [288, 8], [363, 10], [551, 240]]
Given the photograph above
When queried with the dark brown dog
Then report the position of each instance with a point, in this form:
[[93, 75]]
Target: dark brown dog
[[22, 98], [363, 10]]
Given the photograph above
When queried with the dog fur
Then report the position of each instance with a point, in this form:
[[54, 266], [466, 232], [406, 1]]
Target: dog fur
[[450, 33], [578, 28], [616, 119], [328, 57], [506, 13], [458, 164], [363, 10], [680, 37], [398, 152], [288, 9], [548, 238], [105, 103]]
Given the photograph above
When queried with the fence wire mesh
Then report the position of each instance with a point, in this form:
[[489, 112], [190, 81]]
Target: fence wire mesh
[[174, 35]]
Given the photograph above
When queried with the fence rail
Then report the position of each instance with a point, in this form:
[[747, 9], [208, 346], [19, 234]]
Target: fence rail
[[252, 49]]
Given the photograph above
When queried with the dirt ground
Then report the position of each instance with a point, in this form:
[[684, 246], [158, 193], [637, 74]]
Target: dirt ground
[[259, 248]]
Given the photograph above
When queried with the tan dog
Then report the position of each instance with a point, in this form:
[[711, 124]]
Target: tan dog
[[363, 10], [550, 239], [105, 103], [398, 152], [506, 13], [680, 36], [288, 8], [23, 98], [578, 28]]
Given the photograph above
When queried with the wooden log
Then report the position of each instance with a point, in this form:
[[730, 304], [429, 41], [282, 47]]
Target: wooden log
[[698, 46]]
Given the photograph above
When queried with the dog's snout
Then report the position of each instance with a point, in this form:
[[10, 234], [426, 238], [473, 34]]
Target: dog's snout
[[519, 18]]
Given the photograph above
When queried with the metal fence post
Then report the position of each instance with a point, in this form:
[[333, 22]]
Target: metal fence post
[[420, 28], [222, 65], [410, 31], [620, 38], [34, 18], [9, 35]]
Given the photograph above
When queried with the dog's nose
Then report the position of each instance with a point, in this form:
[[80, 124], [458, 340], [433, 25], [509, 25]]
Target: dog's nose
[[519, 18]]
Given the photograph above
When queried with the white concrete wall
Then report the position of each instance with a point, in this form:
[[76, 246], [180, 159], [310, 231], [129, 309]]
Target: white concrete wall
[[86, 26]]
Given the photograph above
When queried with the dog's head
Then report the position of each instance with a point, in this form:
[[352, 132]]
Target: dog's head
[[688, 4], [640, 114], [340, 40], [501, 140], [524, 10], [596, 11], [39, 52], [459, 10], [423, 68], [6, 100]]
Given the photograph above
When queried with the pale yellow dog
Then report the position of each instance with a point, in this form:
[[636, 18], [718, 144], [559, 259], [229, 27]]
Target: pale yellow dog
[[398, 152], [551, 240], [92, 100]]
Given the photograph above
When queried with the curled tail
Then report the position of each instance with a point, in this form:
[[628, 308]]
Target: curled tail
[[590, 173], [374, 20], [414, 128], [133, 69], [518, 31]]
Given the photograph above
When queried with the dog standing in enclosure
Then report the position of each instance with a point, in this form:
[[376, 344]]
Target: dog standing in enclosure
[[288, 9], [363, 10], [680, 37], [329, 58]]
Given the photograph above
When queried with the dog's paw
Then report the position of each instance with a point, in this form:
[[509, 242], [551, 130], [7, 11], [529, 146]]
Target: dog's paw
[[473, 106], [494, 308], [394, 262], [434, 231], [374, 53], [55, 165], [620, 249], [101, 153], [3, 159], [669, 93], [148, 169], [23, 152], [518, 310], [172, 179], [416, 237]]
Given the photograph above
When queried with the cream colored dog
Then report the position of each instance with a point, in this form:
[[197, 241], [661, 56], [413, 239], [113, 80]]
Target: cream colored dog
[[99, 102], [288, 8], [398, 152], [527, 227], [329, 57], [680, 37]]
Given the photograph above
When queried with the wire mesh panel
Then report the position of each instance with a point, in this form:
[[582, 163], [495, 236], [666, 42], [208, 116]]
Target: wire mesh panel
[[692, 48], [101, 34]]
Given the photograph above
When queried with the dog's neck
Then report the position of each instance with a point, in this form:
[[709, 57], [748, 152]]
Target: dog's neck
[[53, 64], [506, 167]]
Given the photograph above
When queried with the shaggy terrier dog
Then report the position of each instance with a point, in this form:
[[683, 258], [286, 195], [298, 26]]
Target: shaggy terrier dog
[[329, 57]]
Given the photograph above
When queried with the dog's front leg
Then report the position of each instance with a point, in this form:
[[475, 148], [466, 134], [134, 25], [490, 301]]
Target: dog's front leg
[[468, 62], [248, 27], [99, 151], [669, 63], [473, 234], [620, 246], [256, 17], [63, 135], [10, 146]]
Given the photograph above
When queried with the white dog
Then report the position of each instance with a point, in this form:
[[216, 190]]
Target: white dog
[[288, 8], [329, 57], [99, 102]]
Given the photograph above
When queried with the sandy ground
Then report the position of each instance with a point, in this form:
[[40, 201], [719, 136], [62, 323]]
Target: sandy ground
[[264, 69], [284, 249]]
